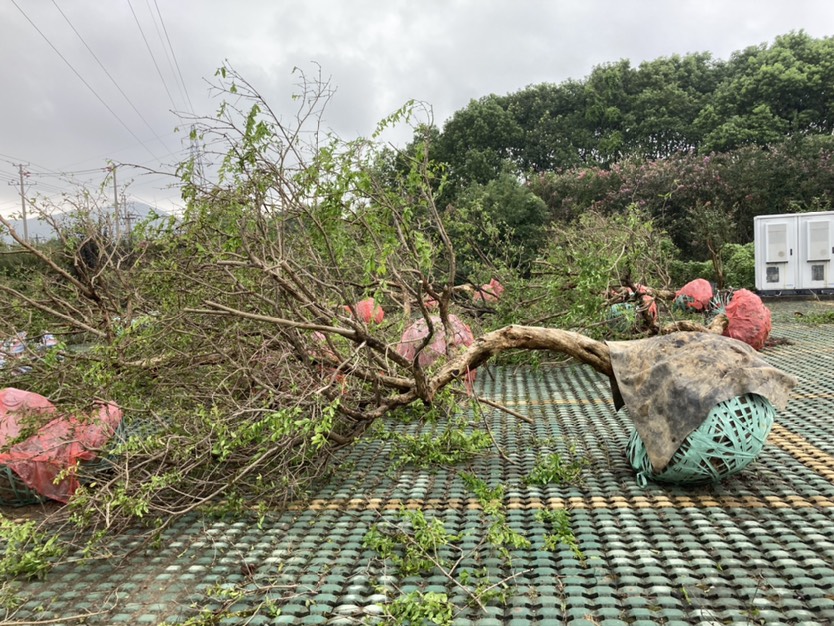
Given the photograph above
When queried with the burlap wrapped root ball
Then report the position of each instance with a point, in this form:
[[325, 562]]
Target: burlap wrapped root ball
[[702, 404], [732, 437]]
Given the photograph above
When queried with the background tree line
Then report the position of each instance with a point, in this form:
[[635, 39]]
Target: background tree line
[[702, 144]]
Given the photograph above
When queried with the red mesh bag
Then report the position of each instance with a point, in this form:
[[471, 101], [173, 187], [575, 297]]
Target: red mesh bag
[[413, 337], [368, 311], [749, 319], [490, 292], [56, 446], [695, 295], [647, 302]]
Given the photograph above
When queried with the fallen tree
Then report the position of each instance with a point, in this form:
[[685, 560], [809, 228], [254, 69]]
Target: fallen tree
[[229, 336]]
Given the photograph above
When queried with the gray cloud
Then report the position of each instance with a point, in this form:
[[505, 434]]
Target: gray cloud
[[378, 55]]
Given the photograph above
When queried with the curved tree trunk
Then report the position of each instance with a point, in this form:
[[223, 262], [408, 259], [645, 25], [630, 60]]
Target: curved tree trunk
[[589, 351]]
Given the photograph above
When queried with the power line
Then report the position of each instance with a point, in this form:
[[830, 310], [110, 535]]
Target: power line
[[153, 58], [23, 175], [45, 185], [15, 160], [48, 186], [174, 55], [66, 177], [104, 69], [81, 78], [30, 174], [165, 50], [124, 149], [51, 174], [48, 172]]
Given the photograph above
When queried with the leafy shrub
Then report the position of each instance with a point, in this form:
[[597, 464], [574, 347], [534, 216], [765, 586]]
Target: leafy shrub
[[817, 317], [569, 283], [681, 272], [561, 531], [412, 547], [417, 607], [739, 265], [452, 446]]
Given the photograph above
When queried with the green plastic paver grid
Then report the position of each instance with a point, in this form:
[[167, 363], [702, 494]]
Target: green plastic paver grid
[[755, 549]]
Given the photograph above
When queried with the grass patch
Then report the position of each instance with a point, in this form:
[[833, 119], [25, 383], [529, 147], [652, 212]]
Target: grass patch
[[817, 317]]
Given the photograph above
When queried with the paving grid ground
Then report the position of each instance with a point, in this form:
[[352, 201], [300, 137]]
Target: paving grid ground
[[756, 549]]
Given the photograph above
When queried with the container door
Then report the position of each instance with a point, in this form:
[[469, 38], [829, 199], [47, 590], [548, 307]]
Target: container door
[[817, 252], [776, 254]]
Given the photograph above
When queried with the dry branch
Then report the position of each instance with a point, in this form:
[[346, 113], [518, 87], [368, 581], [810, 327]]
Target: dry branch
[[587, 350], [717, 326]]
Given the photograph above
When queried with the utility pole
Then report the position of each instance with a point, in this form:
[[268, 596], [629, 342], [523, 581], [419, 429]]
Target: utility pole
[[116, 203], [23, 203]]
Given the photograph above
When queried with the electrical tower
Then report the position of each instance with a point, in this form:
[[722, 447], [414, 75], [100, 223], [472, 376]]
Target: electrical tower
[[196, 155]]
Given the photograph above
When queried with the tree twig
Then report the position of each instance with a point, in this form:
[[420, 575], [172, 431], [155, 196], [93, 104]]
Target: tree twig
[[501, 407]]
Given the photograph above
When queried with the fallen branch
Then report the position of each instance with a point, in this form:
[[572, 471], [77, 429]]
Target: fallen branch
[[589, 351], [717, 326], [501, 407]]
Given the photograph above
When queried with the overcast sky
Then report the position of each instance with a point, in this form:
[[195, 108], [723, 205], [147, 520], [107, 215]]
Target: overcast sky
[[84, 81]]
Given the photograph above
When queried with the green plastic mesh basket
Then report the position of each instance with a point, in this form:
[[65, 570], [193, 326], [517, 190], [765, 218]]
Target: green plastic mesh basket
[[683, 303], [14, 492], [731, 437], [622, 317]]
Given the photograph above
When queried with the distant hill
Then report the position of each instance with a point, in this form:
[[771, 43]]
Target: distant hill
[[40, 230]]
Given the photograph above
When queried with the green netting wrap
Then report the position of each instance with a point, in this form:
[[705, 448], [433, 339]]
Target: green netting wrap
[[622, 317], [718, 303], [730, 438], [13, 491], [683, 303]]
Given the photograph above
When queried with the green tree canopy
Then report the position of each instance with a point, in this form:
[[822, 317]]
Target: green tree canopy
[[760, 96]]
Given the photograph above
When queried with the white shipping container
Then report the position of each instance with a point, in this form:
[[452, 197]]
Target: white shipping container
[[794, 251]]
